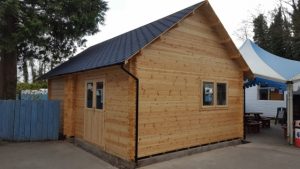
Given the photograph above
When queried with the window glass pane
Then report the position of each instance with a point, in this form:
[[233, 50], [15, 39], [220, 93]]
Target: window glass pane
[[221, 94], [89, 95], [208, 93], [263, 94], [276, 94], [99, 95]]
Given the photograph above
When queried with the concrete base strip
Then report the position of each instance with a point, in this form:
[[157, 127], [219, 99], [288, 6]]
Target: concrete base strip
[[113, 160], [186, 152], [123, 164]]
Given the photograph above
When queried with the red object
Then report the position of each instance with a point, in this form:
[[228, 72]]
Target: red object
[[297, 143], [297, 137]]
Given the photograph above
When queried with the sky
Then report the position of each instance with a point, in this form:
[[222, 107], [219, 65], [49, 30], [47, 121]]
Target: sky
[[125, 15]]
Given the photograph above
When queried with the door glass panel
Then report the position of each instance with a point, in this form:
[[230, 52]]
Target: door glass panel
[[89, 95], [99, 95]]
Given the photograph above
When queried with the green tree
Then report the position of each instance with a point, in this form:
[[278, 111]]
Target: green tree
[[261, 32], [288, 39], [279, 33], [48, 31], [296, 28]]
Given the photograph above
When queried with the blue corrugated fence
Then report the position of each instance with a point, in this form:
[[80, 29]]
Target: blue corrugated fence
[[28, 120]]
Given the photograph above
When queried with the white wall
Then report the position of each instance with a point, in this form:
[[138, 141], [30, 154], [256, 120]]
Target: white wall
[[267, 107], [296, 87]]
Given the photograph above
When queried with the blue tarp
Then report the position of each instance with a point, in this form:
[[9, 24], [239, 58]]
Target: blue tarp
[[265, 82]]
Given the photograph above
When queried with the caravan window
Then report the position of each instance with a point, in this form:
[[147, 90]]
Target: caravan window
[[270, 93]]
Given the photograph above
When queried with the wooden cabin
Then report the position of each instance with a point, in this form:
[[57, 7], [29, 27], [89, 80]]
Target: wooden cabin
[[172, 84]]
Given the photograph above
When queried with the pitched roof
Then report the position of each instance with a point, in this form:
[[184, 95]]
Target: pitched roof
[[266, 65], [120, 48]]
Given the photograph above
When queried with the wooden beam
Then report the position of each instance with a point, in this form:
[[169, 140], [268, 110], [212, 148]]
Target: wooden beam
[[215, 24], [157, 39], [140, 53], [177, 25], [193, 13], [248, 74], [246, 69], [235, 56], [225, 41]]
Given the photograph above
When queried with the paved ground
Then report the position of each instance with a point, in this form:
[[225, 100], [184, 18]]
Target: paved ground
[[267, 150], [247, 156], [271, 136], [47, 155]]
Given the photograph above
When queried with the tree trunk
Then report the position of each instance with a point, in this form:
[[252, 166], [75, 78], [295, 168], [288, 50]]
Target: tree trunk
[[1, 76], [25, 70], [41, 69], [33, 70], [8, 75]]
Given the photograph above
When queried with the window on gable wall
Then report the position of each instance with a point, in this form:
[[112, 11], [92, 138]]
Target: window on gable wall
[[208, 93], [214, 94], [221, 94]]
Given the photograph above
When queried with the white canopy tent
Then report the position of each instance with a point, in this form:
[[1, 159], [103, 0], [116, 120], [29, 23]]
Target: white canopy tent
[[273, 69]]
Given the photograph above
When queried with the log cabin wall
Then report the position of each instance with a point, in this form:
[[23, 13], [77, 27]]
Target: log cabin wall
[[112, 129], [56, 92], [171, 71], [117, 119]]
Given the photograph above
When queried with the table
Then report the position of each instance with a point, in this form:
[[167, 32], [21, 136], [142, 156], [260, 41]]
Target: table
[[255, 114], [257, 117]]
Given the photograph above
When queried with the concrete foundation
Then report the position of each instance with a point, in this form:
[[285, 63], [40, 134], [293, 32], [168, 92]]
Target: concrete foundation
[[113, 160], [186, 152], [123, 164]]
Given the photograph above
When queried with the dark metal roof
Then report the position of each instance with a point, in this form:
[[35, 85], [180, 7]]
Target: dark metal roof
[[120, 48]]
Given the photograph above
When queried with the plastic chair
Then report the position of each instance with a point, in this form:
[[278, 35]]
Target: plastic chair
[[281, 115]]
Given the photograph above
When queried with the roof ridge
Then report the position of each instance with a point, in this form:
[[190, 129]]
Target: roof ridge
[[165, 17], [92, 58]]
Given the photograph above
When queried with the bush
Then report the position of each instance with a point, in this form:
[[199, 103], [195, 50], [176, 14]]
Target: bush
[[32, 86]]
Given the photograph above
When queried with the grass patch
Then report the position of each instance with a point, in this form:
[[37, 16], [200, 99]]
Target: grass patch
[[2, 142]]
